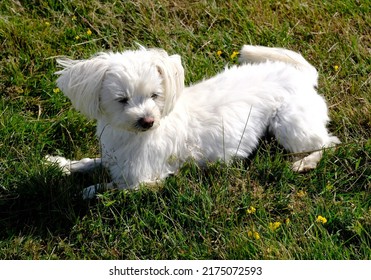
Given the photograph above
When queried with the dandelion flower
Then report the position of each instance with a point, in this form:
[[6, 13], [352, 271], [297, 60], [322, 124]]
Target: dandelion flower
[[88, 32], [321, 220], [256, 235], [251, 210], [77, 37], [336, 67], [274, 226], [56, 90], [253, 234], [74, 18], [219, 53], [234, 54]]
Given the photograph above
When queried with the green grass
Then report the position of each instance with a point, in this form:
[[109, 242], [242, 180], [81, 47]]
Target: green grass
[[199, 213]]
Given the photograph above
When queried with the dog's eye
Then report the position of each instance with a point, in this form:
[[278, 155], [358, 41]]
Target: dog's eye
[[154, 95], [124, 100]]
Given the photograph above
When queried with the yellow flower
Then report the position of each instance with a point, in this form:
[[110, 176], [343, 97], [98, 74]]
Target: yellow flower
[[274, 226], [234, 54], [253, 234], [219, 53], [301, 193], [74, 18], [47, 23], [336, 67], [329, 187], [77, 37], [321, 220], [88, 32], [56, 90], [251, 210], [256, 235]]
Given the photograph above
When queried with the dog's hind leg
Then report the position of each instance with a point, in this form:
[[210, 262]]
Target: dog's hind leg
[[310, 162], [303, 131], [306, 142], [307, 163], [74, 166]]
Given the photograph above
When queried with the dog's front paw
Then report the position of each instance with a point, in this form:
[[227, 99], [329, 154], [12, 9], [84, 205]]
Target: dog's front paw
[[90, 192], [63, 163]]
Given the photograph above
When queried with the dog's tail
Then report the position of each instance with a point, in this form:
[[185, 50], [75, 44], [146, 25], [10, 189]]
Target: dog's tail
[[259, 54]]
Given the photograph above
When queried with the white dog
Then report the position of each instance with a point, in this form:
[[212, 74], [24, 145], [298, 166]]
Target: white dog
[[149, 124]]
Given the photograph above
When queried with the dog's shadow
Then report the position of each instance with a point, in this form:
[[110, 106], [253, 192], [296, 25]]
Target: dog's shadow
[[44, 202]]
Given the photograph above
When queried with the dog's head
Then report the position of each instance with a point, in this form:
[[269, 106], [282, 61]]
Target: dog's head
[[132, 90]]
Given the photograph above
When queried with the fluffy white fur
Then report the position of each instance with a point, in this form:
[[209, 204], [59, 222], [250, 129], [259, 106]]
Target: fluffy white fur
[[149, 124]]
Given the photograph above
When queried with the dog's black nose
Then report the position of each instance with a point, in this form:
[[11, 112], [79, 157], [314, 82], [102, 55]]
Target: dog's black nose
[[146, 122]]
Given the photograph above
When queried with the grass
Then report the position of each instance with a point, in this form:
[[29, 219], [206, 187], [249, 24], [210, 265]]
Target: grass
[[199, 213]]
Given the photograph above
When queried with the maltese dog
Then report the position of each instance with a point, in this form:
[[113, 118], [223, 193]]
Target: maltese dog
[[149, 124]]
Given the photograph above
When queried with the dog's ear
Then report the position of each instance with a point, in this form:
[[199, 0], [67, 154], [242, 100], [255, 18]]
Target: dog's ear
[[81, 81], [172, 73]]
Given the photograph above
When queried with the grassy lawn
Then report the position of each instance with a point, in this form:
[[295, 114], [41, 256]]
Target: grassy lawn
[[253, 209]]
